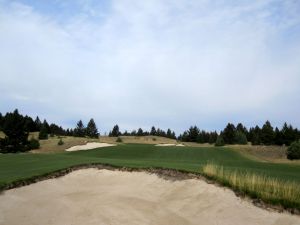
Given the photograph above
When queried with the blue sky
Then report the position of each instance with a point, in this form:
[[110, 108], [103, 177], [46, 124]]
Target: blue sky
[[165, 63]]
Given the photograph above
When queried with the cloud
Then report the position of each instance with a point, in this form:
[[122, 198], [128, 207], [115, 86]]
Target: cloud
[[137, 63]]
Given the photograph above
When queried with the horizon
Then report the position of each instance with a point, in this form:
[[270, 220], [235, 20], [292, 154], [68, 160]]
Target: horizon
[[123, 130], [168, 64]]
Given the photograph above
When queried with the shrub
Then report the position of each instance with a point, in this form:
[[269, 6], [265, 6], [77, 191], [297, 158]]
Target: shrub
[[219, 141], [293, 152], [153, 139], [43, 134], [119, 139], [34, 144], [60, 142]]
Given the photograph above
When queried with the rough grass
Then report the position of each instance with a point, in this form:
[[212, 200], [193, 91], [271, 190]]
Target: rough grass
[[269, 189], [50, 145], [272, 153], [139, 140]]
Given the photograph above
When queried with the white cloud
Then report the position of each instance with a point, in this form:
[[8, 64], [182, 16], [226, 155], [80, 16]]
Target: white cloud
[[170, 63]]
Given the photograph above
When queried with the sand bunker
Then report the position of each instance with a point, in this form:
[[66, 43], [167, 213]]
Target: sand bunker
[[178, 145], [92, 196], [89, 146]]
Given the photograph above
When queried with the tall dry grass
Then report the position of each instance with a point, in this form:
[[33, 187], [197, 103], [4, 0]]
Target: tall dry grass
[[269, 189]]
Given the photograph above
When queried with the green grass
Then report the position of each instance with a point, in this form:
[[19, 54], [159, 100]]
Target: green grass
[[269, 189], [15, 167]]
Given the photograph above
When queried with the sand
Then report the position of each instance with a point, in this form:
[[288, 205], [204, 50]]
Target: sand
[[88, 146], [105, 197], [162, 145]]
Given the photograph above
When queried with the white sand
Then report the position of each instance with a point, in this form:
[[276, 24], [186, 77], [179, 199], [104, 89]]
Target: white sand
[[88, 146], [103, 197], [178, 145]]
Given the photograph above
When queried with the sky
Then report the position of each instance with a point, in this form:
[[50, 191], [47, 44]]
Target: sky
[[167, 63]]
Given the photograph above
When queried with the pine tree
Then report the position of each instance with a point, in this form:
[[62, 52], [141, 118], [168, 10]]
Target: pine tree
[[1, 121], [220, 141], [241, 128], [193, 134], [38, 124], [140, 132], [153, 131], [289, 134], [173, 135], [91, 129], [213, 137], [46, 126], [43, 134], [267, 134], [228, 133], [293, 151], [240, 138], [278, 137], [29, 124], [16, 137], [169, 133], [115, 132], [256, 136], [79, 131]]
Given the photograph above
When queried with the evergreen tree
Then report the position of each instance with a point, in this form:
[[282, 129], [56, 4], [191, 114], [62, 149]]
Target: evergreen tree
[[278, 137], [34, 144], [38, 124], [240, 138], [201, 137], [140, 132], [46, 126], [213, 137], [173, 135], [220, 141], [241, 128], [228, 133], [16, 137], [43, 134], [153, 131], [256, 135], [115, 132], [267, 134], [193, 134], [293, 151], [91, 129], [289, 134], [169, 133], [79, 131], [29, 124], [1, 121]]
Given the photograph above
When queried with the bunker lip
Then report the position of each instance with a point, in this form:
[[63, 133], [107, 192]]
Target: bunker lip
[[165, 173]]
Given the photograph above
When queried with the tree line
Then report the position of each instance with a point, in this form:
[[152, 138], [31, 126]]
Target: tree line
[[231, 134], [115, 132], [17, 127]]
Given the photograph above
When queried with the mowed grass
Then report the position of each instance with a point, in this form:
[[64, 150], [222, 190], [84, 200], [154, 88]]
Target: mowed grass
[[15, 167]]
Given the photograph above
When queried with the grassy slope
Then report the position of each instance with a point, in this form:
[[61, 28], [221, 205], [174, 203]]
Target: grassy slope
[[19, 166]]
